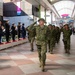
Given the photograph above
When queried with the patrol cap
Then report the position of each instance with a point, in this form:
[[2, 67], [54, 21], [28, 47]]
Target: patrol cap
[[66, 25], [53, 25], [41, 19], [50, 25]]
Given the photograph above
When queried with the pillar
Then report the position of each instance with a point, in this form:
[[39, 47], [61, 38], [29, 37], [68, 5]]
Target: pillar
[[39, 11], [51, 17], [45, 14]]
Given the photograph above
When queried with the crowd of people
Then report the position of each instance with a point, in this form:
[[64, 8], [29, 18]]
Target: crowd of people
[[7, 31], [48, 36]]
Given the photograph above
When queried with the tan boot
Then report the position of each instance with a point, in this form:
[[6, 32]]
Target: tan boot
[[40, 64], [42, 68], [51, 52]]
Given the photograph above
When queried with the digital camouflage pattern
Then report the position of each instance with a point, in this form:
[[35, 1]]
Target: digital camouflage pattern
[[51, 40], [66, 39], [41, 41]]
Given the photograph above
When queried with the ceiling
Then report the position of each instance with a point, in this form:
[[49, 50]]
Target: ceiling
[[37, 2], [54, 1], [64, 7], [59, 7]]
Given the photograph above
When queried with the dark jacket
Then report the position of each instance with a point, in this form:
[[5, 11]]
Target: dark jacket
[[7, 28], [1, 31]]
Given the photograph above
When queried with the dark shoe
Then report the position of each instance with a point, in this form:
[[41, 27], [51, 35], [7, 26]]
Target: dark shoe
[[51, 52], [68, 52], [40, 65], [1, 43], [43, 69], [48, 51], [32, 50]]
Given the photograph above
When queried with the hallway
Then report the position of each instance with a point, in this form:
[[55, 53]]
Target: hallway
[[20, 61]]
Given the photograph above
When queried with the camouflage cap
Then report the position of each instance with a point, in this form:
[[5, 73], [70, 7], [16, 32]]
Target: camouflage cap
[[66, 25], [50, 25], [41, 19]]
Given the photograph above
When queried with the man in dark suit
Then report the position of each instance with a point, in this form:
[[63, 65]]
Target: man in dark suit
[[19, 30], [23, 31], [7, 31], [13, 32]]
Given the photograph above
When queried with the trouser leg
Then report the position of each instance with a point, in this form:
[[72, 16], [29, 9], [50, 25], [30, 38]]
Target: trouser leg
[[39, 52], [43, 55], [0, 39], [68, 46], [49, 45], [7, 37], [31, 44], [65, 46]]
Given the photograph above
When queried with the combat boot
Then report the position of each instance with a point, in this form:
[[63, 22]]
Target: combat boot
[[32, 50], [42, 68], [68, 51], [51, 52], [40, 64]]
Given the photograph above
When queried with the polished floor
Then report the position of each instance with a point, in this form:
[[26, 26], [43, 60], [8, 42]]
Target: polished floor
[[20, 61]]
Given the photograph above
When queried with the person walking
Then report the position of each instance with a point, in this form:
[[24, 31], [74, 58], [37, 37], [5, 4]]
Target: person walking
[[66, 38], [41, 32]]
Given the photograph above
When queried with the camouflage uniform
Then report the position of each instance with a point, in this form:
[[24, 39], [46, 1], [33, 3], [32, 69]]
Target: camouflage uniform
[[54, 35], [57, 34], [31, 36], [51, 40], [66, 39], [41, 42], [41, 34]]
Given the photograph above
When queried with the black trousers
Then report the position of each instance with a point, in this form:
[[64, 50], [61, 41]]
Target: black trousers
[[7, 37], [19, 35], [13, 36]]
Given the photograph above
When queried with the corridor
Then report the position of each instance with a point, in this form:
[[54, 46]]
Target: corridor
[[20, 61]]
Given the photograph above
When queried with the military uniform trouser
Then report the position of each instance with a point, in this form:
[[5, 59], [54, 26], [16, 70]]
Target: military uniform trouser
[[31, 40], [42, 53], [57, 39], [51, 45], [67, 44]]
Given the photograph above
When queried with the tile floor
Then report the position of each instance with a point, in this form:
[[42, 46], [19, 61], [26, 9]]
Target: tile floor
[[20, 61]]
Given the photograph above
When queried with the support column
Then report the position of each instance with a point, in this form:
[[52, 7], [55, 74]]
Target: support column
[[45, 14], [51, 17], [39, 11]]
